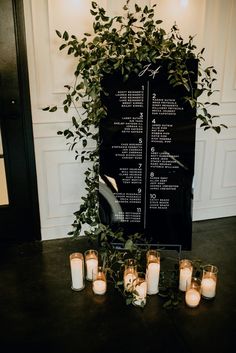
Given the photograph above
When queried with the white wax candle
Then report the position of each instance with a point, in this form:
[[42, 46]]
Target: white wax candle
[[184, 277], [91, 268], [192, 297], [153, 274], [128, 281], [141, 289], [208, 287], [77, 273], [140, 293], [99, 286]]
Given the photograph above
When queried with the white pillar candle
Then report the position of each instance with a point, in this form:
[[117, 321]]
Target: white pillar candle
[[184, 277], [128, 281], [140, 294], [130, 274], [91, 268], [208, 287], [76, 265], [99, 286], [192, 298], [153, 274]]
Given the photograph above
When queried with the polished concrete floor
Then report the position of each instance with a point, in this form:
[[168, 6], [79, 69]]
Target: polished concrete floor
[[40, 313]]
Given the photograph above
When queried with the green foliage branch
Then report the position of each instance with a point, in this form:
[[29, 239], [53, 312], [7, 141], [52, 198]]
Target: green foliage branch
[[122, 43]]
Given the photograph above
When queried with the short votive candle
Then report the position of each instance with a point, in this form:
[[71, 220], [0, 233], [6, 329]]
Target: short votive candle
[[193, 292], [91, 262], [77, 271], [99, 281], [209, 280], [130, 274], [185, 273], [153, 271]]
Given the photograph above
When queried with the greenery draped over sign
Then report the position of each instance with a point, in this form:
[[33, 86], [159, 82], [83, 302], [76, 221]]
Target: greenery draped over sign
[[123, 43]]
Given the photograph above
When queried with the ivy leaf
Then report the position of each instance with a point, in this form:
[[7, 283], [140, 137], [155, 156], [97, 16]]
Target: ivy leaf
[[129, 244], [93, 13], [198, 92], [167, 304], [53, 109], [145, 10], [58, 33], [65, 35], [62, 46], [74, 121], [217, 129], [70, 50], [94, 5], [129, 300]]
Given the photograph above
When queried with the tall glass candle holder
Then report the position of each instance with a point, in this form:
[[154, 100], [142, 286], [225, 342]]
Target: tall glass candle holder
[[91, 262], [140, 290], [209, 280], [77, 271], [130, 274], [193, 292], [185, 273], [153, 271], [99, 281]]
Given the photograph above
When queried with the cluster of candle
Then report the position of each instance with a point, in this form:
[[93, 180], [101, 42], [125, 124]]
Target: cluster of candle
[[94, 272], [195, 288], [139, 283]]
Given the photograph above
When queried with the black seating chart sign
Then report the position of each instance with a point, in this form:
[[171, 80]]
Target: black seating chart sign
[[147, 156]]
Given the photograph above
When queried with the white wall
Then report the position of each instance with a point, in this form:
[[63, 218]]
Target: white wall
[[60, 177]]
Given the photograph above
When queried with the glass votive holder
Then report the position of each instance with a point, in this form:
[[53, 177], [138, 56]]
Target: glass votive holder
[[130, 274], [152, 271], [193, 292], [99, 281], [91, 262], [209, 280], [185, 273], [77, 271], [140, 290]]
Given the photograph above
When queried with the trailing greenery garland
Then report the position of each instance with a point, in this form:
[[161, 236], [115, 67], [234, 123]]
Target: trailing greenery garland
[[122, 43]]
